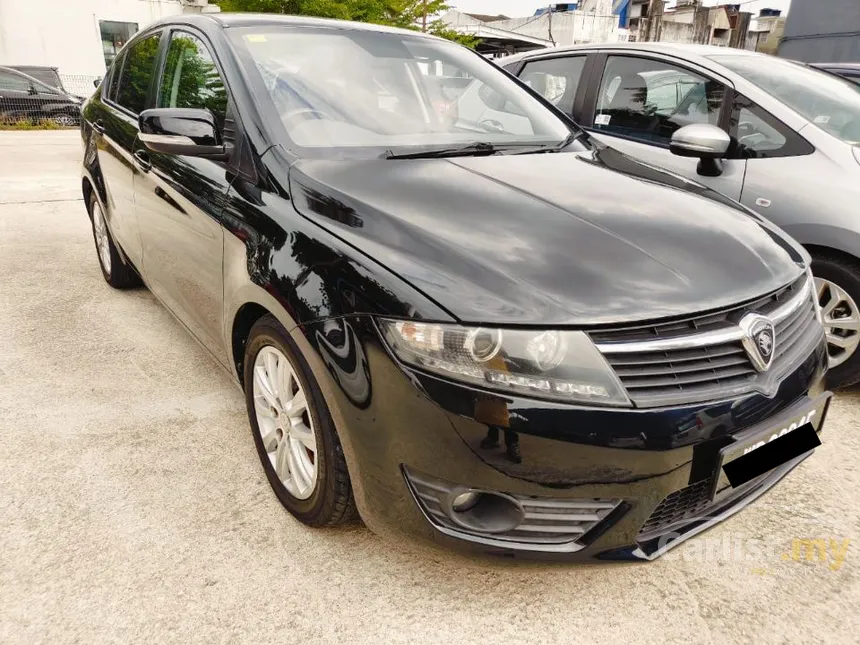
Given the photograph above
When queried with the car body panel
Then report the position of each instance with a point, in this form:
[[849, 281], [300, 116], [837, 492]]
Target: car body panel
[[442, 225]]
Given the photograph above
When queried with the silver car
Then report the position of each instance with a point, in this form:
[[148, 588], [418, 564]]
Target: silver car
[[780, 137]]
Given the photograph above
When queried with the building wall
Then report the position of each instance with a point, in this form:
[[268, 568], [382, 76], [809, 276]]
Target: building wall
[[568, 28], [822, 31], [65, 33]]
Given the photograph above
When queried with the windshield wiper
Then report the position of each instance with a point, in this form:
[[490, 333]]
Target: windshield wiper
[[476, 149], [573, 136]]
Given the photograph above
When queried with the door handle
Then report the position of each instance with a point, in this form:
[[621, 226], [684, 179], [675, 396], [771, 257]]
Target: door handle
[[142, 160], [98, 126]]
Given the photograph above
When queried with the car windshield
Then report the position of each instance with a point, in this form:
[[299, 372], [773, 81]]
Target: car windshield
[[830, 102], [371, 91]]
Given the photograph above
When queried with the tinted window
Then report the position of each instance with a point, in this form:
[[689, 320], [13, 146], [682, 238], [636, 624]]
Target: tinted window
[[649, 99], [136, 73], [557, 79], [191, 79], [116, 70], [758, 134], [830, 102], [14, 82]]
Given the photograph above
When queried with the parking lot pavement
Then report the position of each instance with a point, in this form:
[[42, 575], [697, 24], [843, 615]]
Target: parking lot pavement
[[133, 507]]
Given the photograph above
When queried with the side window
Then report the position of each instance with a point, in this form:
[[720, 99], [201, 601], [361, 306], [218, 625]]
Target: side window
[[14, 82], [190, 78], [110, 83], [557, 79], [649, 100], [756, 134], [136, 73]]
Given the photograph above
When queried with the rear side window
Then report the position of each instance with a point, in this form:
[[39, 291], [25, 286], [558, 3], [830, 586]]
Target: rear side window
[[113, 78], [13, 82], [649, 100], [557, 79], [191, 79], [757, 134], [137, 73]]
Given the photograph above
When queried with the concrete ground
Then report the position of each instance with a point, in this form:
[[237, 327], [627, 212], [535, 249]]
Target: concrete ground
[[133, 508]]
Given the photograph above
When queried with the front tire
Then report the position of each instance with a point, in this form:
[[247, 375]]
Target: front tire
[[837, 282], [117, 273], [293, 429]]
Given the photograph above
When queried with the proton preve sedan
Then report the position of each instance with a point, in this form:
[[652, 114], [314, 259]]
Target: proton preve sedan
[[507, 339], [794, 155]]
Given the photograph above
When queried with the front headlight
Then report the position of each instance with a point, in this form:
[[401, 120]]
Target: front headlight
[[558, 365]]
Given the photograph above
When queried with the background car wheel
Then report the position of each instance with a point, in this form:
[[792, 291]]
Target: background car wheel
[[116, 272], [837, 282], [65, 120], [293, 430]]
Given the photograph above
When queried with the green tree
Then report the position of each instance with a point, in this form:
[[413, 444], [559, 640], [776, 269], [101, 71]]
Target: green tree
[[407, 14]]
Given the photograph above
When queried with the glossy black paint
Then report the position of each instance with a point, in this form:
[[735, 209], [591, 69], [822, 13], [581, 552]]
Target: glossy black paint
[[584, 238]]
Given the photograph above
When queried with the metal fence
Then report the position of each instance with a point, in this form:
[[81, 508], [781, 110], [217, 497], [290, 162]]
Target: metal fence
[[26, 102]]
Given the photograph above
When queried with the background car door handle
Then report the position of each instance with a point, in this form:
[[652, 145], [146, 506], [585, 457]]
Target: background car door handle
[[142, 160], [99, 127]]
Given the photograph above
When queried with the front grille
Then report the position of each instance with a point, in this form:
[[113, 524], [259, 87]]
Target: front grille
[[702, 358], [546, 520], [681, 505]]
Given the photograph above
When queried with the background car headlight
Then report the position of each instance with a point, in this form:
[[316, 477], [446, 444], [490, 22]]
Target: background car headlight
[[559, 365], [811, 281]]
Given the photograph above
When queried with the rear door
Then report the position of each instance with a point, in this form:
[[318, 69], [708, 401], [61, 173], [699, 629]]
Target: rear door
[[636, 102], [116, 126], [179, 198]]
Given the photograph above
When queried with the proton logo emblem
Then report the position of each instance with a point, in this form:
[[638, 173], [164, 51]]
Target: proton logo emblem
[[759, 340]]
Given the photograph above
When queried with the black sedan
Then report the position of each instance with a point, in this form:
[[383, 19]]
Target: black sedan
[[497, 335], [24, 98]]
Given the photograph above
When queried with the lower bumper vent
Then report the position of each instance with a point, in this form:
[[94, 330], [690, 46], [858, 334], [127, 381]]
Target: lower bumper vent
[[538, 520], [681, 505]]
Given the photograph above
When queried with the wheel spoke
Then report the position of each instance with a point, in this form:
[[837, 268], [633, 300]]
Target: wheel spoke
[[843, 342], [297, 405], [272, 440], [282, 461], [303, 434], [264, 387], [300, 465]]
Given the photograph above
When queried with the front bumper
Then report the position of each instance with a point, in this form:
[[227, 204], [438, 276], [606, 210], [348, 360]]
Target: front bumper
[[393, 421]]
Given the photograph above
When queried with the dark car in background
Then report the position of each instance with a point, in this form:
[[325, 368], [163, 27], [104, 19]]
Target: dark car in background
[[24, 98], [849, 71], [522, 343]]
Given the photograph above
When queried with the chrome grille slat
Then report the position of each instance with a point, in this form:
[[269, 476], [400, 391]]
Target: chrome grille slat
[[659, 364]]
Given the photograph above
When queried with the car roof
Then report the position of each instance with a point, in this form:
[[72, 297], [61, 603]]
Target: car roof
[[852, 66], [684, 50], [228, 20]]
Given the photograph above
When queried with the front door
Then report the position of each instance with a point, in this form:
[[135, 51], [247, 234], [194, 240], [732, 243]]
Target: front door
[[178, 197], [640, 102], [115, 122]]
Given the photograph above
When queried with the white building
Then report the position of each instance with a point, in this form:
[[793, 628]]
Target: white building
[[78, 37]]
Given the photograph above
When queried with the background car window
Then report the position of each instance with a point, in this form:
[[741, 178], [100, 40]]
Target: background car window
[[649, 99], [14, 82], [190, 78], [758, 134], [137, 73], [557, 79]]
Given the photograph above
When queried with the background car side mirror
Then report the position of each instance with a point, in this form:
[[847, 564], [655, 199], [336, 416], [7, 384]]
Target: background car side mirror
[[707, 142], [182, 131], [97, 81]]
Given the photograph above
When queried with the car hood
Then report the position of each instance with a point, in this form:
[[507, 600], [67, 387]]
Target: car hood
[[585, 238]]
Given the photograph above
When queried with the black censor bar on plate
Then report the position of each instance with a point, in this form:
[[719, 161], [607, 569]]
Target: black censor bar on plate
[[772, 454]]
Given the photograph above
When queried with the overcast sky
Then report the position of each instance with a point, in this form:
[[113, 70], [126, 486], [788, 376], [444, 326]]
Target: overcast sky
[[521, 8]]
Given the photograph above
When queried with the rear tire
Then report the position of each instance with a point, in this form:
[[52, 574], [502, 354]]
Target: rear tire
[[116, 271], [321, 493], [837, 281]]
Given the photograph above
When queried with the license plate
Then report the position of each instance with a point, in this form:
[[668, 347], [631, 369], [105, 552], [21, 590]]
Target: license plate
[[778, 441]]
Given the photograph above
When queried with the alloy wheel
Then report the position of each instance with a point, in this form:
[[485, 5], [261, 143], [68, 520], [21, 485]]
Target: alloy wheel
[[65, 120], [841, 321], [285, 422], [101, 235]]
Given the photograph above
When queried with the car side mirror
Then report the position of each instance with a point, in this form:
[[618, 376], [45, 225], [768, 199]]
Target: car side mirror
[[707, 142], [182, 131], [32, 90]]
